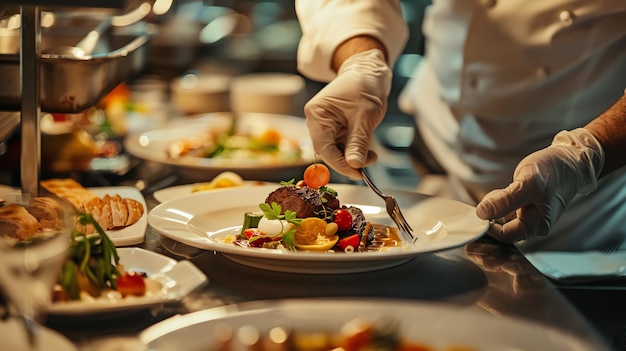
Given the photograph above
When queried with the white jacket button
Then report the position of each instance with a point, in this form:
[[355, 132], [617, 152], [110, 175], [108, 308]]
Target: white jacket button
[[566, 17]]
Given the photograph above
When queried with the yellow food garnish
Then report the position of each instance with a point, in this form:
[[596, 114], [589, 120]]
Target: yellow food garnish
[[223, 180]]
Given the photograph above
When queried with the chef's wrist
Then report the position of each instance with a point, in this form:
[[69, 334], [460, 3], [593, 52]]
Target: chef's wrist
[[353, 46], [609, 131]]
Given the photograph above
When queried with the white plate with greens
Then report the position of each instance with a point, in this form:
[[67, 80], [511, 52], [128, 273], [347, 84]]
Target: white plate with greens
[[174, 280], [202, 220]]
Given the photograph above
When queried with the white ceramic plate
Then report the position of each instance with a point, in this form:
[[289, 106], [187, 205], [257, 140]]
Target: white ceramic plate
[[178, 191], [153, 145], [198, 220], [178, 278], [434, 324], [133, 234]]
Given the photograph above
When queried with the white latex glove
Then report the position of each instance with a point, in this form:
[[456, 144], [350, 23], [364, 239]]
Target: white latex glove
[[348, 110], [545, 182]]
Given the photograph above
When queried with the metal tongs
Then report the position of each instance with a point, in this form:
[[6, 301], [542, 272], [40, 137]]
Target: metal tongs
[[393, 209]]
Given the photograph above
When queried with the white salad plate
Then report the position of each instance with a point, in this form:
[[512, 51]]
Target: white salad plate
[[178, 191], [201, 220], [437, 325], [153, 145], [177, 279]]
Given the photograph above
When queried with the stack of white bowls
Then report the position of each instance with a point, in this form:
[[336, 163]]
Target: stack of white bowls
[[276, 93], [200, 93]]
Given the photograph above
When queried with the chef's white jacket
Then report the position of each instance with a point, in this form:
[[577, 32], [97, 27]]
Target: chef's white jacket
[[499, 79]]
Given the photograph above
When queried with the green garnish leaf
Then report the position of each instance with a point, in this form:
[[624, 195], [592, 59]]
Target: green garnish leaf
[[271, 211], [285, 183], [288, 240], [290, 217]]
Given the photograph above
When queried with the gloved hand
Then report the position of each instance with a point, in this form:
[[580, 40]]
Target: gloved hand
[[545, 182], [348, 110]]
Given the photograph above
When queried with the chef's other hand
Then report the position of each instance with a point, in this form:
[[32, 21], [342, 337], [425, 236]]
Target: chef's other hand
[[347, 111], [544, 184]]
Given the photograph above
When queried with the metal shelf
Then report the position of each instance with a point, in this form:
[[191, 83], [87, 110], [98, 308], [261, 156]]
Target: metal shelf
[[30, 56]]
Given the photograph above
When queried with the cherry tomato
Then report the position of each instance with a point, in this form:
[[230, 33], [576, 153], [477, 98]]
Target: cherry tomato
[[249, 232], [316, 175], [131, 284], [352, 240], [343, 218]]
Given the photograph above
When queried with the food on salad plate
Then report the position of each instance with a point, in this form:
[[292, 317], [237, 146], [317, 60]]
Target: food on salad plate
[[225, 179], [93, 269], [308, 216], [267, 146], [112, 212]]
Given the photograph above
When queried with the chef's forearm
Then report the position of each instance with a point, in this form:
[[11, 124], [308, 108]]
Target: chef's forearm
[[355, 45], [610, 130]]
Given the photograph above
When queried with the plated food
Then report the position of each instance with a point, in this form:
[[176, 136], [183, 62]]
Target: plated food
[[167, 280], [308, 216], [352, 324], [261, 146], [22, 222], [224, 180], [214, 221], [110, 211]]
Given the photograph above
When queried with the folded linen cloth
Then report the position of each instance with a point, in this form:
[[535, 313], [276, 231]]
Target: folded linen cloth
[[576, 267]]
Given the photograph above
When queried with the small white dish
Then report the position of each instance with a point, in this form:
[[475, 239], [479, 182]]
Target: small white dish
[[178, 191], [202, 219], [178, 279], [438, 325], [133, 234]]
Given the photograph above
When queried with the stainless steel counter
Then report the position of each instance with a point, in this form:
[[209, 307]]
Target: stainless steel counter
[[483, 275]]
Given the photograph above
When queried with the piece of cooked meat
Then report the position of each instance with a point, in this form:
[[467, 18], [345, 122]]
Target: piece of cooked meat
[[16, 222], [304, 201], [48, 212], [112, 212]]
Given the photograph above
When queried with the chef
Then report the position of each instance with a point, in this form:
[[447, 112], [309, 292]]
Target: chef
[[499, 79]]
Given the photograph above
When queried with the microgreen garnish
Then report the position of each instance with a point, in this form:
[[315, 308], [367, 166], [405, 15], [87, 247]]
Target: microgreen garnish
[[289, 182], [326, 190]]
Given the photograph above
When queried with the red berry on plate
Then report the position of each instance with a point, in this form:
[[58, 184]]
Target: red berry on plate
[[343, 218]]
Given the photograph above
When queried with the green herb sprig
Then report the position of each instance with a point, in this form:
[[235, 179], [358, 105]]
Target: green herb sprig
[[93, 256]]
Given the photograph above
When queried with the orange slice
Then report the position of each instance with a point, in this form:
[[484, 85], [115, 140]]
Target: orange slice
[[323, 243], [309, 229], [311, 235]]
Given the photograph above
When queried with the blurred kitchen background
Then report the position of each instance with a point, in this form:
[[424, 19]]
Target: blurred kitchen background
[[203, 57]]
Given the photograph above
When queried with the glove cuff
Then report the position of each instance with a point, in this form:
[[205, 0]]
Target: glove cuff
[[588, 155]]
